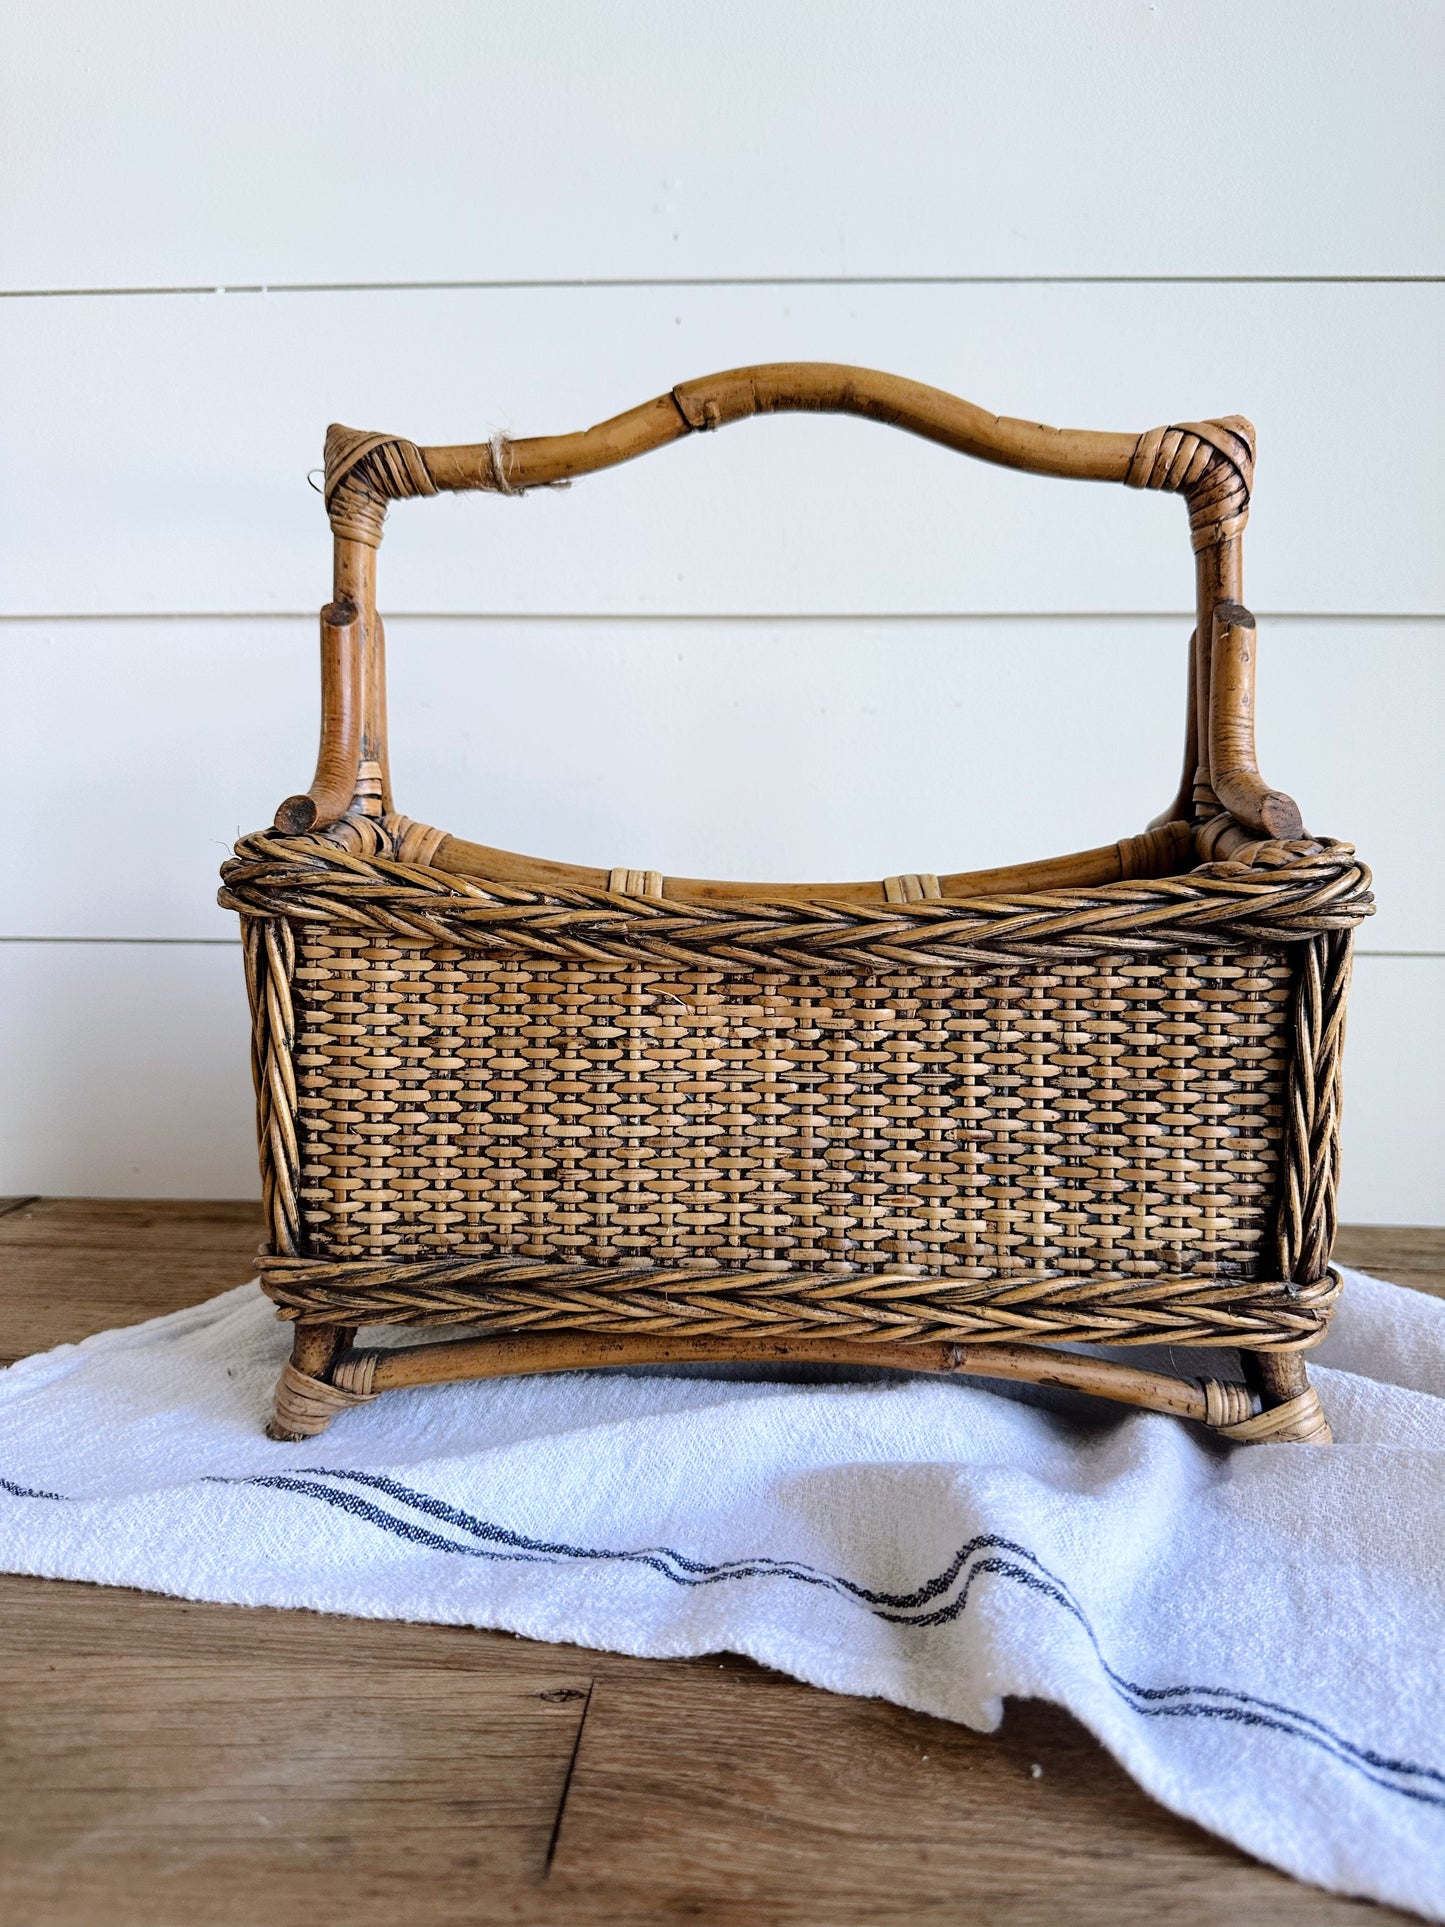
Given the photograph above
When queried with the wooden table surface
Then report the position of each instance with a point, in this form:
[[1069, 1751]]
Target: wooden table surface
[[173, 1765]]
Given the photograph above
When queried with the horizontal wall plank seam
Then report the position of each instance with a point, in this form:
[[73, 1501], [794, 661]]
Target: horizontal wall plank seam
[[193, 943], [659, 618], [748, 281]]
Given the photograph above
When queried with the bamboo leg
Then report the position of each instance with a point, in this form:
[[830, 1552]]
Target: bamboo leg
[[306, 1401], [1292, 1410]]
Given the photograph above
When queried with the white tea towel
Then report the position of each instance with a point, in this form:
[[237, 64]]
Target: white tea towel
[[1254, 1632]]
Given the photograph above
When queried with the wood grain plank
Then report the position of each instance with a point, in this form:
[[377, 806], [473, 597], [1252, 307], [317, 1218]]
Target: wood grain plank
[[201, 415], [415, 1768], [73, 1266], [186, 1788], [654, 140], [732, 1804], [104, 1623], [181, 1225], [1412, 1255], [44, 1308]]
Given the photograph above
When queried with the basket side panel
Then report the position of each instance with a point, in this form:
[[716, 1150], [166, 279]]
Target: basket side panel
[[1116, 1115]]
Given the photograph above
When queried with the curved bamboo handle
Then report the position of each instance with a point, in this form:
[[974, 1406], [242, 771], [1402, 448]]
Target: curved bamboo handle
[[1210, 463], [810, 387]]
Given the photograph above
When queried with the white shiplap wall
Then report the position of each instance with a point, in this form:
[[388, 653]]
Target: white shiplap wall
[[219, 235]]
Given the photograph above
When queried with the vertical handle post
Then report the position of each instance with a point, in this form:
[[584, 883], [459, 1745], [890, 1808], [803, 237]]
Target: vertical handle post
[[1233, 761], [338, 759]]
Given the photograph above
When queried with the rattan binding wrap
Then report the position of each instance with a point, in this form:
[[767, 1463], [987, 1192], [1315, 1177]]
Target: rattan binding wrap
[[1095, 1100], [305, 1406]]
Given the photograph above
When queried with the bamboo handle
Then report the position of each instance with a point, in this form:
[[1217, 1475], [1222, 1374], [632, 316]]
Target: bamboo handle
[[1210, 463], [338, 760], [1233, 764]]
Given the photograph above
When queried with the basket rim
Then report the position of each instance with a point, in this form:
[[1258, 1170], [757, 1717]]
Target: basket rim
[[1289, 893]]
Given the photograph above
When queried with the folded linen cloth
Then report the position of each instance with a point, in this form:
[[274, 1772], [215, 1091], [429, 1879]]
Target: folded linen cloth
[[1254, 1632]]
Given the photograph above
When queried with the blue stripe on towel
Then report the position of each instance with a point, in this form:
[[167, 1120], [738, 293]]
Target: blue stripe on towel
[[985, 1556], [27, 1491]]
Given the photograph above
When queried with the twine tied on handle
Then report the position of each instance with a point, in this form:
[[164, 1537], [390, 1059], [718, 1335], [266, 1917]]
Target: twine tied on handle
[[365, 472]]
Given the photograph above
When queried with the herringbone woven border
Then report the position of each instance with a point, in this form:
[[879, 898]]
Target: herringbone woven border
[[504, 1295], [1315, 890]]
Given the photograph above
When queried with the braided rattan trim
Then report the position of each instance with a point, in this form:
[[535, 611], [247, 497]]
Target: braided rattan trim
[[1305, 1226], [503, 1295], [270, 953], [1317, 889]]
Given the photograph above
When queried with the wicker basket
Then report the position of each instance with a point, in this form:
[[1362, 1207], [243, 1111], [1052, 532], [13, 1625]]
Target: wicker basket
[[946, 1123]]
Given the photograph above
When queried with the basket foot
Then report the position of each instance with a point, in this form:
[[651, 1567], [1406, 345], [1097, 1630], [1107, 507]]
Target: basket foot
[[1292, 1411], [306, 1400]]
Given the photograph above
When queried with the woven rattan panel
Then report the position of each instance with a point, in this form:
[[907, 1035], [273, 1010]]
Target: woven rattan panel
[[1118, 1115]]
